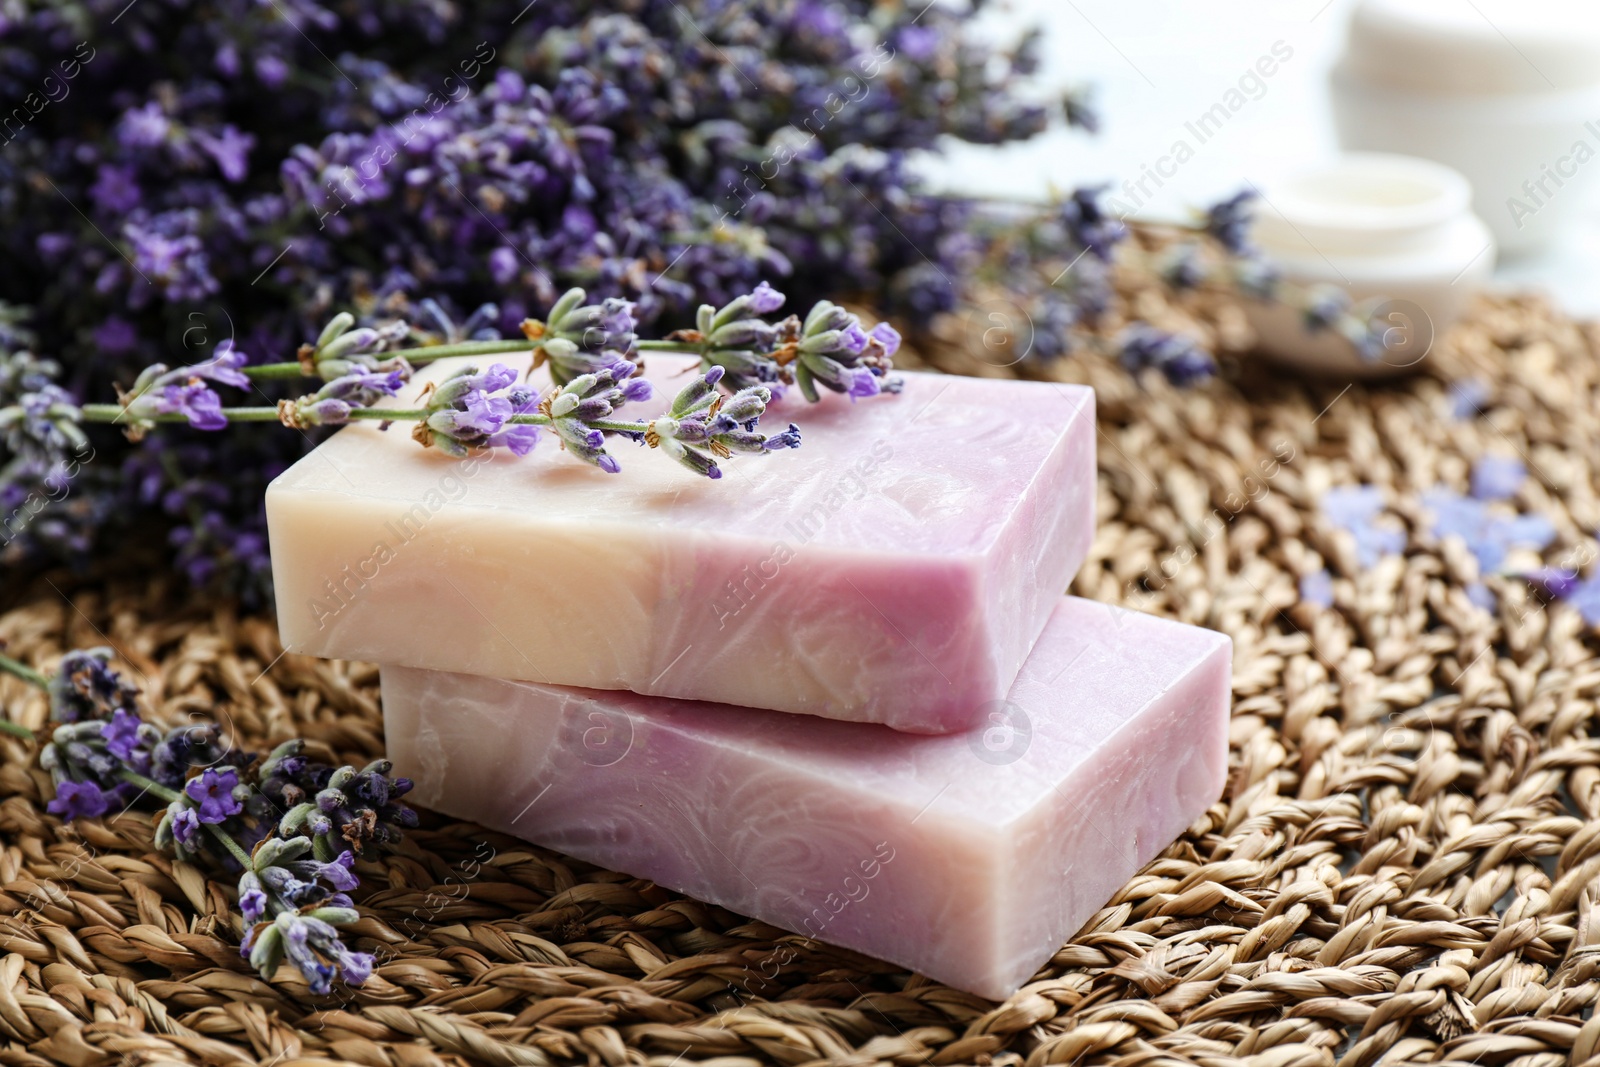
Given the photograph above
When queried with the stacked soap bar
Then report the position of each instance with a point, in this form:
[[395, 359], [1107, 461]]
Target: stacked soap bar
[[613, 665], [897, 568], [968, 857]]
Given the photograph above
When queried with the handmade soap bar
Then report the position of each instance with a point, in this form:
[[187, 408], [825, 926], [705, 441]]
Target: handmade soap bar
[[896, 568], [968, 857]]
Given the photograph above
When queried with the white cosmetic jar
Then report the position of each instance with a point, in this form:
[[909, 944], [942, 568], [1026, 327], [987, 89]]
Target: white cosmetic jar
[[1505, 91], [1384, 228]]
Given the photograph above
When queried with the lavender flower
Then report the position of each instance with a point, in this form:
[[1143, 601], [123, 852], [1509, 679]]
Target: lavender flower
[[1184, 269], [181, 748], [583, 338], [1228, 222], [1326, 306], [79, 800], [332, 404], [38, 419], [128, 738], [293, 890], [340, 351], [159, 391], [1256, 277], [213, 793], [1582, 593], [1556, 582], [349, 809], [833, 351], [86, 776], [1179, 359], [589, 399], [1087, 225], [86, 686], [468, 411], [311, 943], [292, 913], [703, 424]]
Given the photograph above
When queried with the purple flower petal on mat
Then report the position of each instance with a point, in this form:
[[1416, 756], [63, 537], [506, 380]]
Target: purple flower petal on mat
[[1468, 397], [1353, 508], [1498, 477], [1317, 588]]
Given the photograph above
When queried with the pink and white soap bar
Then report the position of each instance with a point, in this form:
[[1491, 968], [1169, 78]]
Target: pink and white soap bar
[[967, 857], [896, 568]]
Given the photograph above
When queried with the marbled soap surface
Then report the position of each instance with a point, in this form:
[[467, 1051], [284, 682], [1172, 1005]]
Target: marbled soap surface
[[896, 568], [968, 857]]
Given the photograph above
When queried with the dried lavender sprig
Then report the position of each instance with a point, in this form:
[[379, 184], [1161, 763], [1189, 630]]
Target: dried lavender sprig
[[830, 348], [101, 752], [473, 411], [579, 338]]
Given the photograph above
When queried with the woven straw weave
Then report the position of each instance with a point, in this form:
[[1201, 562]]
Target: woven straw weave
[[1404, 865]]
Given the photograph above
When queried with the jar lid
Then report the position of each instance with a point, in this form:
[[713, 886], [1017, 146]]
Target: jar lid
[[1360, 203], [1472, 47]]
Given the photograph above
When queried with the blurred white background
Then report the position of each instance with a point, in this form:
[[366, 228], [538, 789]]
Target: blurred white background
[[1158, 64]]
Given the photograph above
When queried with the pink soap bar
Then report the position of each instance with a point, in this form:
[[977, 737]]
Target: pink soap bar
[[968, 857], [896, 568]]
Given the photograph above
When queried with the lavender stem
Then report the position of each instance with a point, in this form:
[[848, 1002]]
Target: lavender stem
[[23, 671]]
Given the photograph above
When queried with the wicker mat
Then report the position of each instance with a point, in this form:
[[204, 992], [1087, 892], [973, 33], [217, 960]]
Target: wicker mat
[[1404, 865]]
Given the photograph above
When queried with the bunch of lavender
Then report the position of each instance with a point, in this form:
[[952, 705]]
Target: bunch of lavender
[[291, 827], [210, 169], [1060, 260]]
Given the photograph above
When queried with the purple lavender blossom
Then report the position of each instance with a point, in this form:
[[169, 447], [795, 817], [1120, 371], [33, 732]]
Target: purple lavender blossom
[[115, 190], [1179, 359], [701, 425], [1556, 582], [79, 800], [185, 824], [213, 792], [185, 391], [313, 946], [1088, 226], [122, 738], [86, 687], [469, 410], [1228, 222], [764, 299], [253, 904], [144, 127], [1325, 308], [837, 354], [887, 337], [194, 400], [230, 149]]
